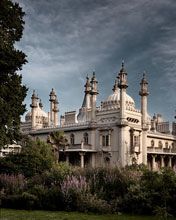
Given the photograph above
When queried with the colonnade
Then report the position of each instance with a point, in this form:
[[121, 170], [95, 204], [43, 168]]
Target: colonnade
[[156, 162]]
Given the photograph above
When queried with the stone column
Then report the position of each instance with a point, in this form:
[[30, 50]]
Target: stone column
[[101, 142], [170, 162], [109, 139], [153, 163], [82, 159], [67, 158], [162, 161], [144, 93]]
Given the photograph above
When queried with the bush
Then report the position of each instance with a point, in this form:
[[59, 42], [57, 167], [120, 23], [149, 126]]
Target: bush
[[24, 201], [12, 184]]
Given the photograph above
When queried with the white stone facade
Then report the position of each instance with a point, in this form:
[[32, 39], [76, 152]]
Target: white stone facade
[[112, 134]]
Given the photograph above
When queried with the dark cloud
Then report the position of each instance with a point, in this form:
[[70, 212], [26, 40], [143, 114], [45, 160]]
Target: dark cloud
[[67, 39]]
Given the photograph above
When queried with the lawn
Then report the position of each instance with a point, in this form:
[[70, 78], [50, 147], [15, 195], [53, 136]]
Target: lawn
[[9, 214]]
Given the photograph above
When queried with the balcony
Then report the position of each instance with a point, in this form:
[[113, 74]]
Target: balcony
[[161, 150], [79, 147]]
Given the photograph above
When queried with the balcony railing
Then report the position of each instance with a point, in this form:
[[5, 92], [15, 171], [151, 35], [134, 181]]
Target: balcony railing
[[79, 147], [161, 150]]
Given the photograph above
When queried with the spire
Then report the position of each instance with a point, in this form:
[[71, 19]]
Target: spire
[[52, 95], [40, 104], [87, 85], [115, 87], [144, 86], [123, 68], [122, 77], [94, 83], [34, 99], [86, 100]]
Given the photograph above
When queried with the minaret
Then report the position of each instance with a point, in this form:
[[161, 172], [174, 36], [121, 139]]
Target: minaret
[[33, 106], [122, 77], [40, 104], [94, 93], [84, 111], [144, 93], [52, 100], [115, 87], [122, 84], [56, 110], [86, 102]]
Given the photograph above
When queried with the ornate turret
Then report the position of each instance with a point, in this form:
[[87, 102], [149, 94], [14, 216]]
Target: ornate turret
[[94, 82], [40, 104], [52, 100], [52, 95], [34, 106], [87, 85], [144, 86], [86, 101], [115, 87], [144, 93], [122, 77], [86, 105], [144, 123], [34, 99], [56, 110], [122, 84], [94, 93]]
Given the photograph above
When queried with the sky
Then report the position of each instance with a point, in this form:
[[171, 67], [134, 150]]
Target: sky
[[65, 40]]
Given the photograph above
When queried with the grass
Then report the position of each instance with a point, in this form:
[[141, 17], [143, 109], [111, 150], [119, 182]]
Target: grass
[[9, 214]]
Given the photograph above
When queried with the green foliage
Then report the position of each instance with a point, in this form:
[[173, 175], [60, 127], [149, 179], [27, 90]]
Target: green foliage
[[99, 190], [58, 141], [12, 92], [35, 158]]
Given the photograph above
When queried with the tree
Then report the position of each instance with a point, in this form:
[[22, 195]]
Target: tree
[[12, 92], [34, 158], [58, 141]]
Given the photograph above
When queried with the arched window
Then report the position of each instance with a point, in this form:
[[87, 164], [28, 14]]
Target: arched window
[[160, 145], [72, 139], [86, 138], [152, 143]]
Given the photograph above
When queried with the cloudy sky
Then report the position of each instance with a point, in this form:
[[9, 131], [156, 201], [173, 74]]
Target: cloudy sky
[[67, 39]]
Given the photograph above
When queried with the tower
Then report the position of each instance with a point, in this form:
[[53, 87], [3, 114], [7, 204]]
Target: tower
[[56, 110], [144, 93], [94, 93], [84, 111], [52, 100], [86, 102], [122, 84], [33, 106]]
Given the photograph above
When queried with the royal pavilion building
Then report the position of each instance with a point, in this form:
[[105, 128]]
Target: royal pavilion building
[[115, 133]]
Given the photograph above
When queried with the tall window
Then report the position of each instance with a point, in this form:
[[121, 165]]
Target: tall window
[[105, 140], [136, 140], [86, 138], [72, 139]]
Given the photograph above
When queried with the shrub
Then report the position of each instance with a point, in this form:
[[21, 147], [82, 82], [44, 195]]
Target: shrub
[[12, 184], [23, 201]]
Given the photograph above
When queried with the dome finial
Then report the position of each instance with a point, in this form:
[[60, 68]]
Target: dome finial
[[144, 74], [123, 63]]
